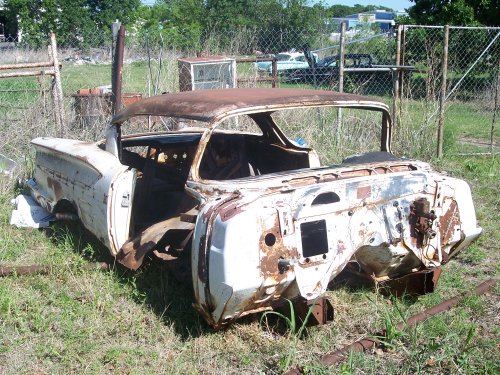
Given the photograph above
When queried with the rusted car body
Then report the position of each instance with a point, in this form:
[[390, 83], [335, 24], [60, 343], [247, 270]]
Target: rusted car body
[[253, 218]]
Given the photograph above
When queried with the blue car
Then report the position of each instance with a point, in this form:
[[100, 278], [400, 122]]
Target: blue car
[[286, 61]]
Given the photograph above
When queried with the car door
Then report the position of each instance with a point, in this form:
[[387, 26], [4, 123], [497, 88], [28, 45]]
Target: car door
[[119, 208], [105, 206]]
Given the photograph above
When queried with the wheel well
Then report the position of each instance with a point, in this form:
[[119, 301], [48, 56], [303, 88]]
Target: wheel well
[[65, 206]]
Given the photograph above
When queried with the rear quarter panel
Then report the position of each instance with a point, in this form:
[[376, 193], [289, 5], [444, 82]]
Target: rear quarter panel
[[80, 173]]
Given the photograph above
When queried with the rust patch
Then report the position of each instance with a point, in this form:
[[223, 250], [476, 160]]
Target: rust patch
[[305, 181], [230, 211], [364, 192], [344, 174], [413, 284], [132, 253], [340, 247], [273, 252], [319, 311], [448, 221], [55, 186], [421, 219], [205, 106], [209, 213], [202, 267]]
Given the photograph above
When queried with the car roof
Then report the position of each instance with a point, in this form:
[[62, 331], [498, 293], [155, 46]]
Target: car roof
[[213, 105]]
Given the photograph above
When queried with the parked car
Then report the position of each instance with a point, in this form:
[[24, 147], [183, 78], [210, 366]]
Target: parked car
[[327, 69], [285, 61], [251, 216]]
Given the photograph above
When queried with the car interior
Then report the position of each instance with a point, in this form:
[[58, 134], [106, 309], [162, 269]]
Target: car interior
[[163, 162]]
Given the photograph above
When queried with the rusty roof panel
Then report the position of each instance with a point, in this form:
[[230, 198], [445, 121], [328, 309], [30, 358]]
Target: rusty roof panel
[[210, 105]]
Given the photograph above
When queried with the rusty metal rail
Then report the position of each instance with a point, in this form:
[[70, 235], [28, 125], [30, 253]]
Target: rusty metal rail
[[274, 69], [369, 342], [42, 270]]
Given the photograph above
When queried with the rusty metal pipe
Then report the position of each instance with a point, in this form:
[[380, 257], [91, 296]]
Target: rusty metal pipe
[[116, 79], [42, 270], [67, 216], [369, 342]]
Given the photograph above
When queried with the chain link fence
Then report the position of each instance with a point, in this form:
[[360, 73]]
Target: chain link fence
[[469, 97], [370, 61]]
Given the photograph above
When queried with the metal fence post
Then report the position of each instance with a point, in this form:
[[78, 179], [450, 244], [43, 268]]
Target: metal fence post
[[116, 79], [495, 109], [442, 97], [341, 76], [402, 60], [396, 77], [115, 27]]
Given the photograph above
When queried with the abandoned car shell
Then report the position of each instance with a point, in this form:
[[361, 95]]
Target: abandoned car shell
[[273, 223]]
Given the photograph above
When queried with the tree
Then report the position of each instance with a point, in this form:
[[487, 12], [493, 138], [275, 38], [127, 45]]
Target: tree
[[75, 22], [224, 15], [69, 19], [105, 12], [179, 22], [456, 12]]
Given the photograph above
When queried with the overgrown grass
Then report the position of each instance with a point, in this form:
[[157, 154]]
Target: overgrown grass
[[79, 320], [91, 321]]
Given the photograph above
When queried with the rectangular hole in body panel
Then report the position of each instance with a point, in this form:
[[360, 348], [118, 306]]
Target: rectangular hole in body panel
[[314, 238]]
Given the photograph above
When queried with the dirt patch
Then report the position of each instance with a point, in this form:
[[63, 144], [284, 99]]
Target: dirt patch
[[479, 143]]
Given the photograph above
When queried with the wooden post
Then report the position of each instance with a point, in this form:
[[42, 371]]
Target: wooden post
[[395, 77], [274, 69], [341, 56], [442, 97], [57, 89], [341, 77]]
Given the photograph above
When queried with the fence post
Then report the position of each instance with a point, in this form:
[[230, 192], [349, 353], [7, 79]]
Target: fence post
[[442, 97], [57, 88], [116, 79], [402, 60], [274, 69], [495, 109], [341, 77], [115, 27], [395, 77]]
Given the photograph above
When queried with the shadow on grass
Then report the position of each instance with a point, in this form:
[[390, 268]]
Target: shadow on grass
[[355, 284], [156, 287], [152, 284]]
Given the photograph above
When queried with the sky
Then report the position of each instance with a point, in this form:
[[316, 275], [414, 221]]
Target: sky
[[396, 5]]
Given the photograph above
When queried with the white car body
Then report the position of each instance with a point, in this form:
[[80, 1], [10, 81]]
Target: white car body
[[276, 224]]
